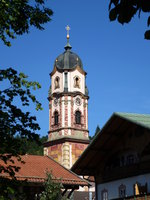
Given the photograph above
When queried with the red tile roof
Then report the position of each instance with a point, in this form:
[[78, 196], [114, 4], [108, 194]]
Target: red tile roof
[[35, 167]]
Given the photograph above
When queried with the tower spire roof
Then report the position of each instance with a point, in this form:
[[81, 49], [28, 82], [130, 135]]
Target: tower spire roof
[[68, 59], [68, 46]]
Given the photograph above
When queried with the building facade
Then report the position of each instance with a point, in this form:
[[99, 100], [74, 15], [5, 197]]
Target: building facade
[[68, 109], [119, 158]]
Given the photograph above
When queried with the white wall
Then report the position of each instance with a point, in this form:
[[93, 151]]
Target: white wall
[[113, 187], [86, 114], [60, 75], [80, 107], [71, 76], [55, 107]]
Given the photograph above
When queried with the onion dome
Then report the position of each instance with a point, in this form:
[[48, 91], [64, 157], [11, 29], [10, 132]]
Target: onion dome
[[68, 59]]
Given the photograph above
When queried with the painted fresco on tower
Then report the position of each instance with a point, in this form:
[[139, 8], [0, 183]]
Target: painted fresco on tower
[[68, 108]]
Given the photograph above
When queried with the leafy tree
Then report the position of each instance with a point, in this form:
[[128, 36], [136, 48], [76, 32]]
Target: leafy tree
[[16, 124], [124, 10], [96, 132], [17, 16], [34, 148], [9, 190], [52, 189]]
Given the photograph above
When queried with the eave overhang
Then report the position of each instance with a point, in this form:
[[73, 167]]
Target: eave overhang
[[65, 139], [68, 70], [91, 161], [73, 94]]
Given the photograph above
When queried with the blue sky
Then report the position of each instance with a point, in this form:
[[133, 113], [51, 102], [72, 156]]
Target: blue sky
[[115, 57]]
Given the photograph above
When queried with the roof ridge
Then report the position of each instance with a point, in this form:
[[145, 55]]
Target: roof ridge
[[69, 170], [115, 114], [32, 155], [128, 113]]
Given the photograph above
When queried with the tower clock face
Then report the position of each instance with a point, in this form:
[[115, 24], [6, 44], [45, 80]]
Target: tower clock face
[[55, 102], [78, 101]]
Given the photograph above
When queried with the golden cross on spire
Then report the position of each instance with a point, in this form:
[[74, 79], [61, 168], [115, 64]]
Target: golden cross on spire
[[67, 29]]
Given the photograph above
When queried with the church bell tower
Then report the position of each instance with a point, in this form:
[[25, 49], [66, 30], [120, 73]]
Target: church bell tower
[[68, 134]]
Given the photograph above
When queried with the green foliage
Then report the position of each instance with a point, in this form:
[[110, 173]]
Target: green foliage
[[52, 190], [9, 190], [34, 148], [96, 132], [124, 11], [18, 15], [16, 124]]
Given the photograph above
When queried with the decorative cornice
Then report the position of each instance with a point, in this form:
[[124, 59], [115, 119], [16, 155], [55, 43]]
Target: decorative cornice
[[65, 139], [62, 94], [63, 128]]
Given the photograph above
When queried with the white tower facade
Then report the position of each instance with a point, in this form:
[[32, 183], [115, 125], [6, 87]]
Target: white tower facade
[[68, 109]]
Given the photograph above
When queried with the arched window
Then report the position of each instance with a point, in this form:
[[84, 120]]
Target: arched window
[[122, 191], [78, 117], [104, 194], [57, 82], [56, 118], [76, 82]]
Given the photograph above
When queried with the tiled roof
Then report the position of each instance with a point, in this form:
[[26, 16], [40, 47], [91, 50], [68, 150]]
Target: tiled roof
[[141, 119], [35, 167]]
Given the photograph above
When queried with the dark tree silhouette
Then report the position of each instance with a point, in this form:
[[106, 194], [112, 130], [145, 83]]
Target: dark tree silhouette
[[17, 16], [96, 132], [17, 125], [14, 122], [124, 10]]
